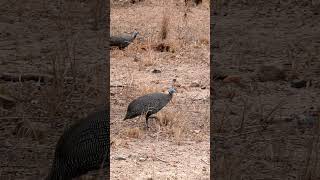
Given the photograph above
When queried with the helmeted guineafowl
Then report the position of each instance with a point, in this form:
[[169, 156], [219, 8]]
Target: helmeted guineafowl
[[123, 41], [82, 148], [148, 104]]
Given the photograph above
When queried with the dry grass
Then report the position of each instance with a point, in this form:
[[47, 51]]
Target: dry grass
[[172, 123], [164, 25], [204, 40], [134, 132], [26, 130], [147, 62], [168, 118]]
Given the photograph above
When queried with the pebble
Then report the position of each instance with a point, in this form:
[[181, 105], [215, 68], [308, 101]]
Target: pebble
[[156, 71], [299, 83], [195, 84], [119, 158]]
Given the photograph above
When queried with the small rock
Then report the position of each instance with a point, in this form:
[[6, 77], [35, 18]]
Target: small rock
[[195, 84], [270, 73], [299, 83], [197, 131], [156, 71], [34, 101], [203, 87], [119, 158], [142, 159]]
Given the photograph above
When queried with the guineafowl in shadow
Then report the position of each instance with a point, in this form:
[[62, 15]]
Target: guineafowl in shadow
[[148, 104], [82, 148], [123, 41]]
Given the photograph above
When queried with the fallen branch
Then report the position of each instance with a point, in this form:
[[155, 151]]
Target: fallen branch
[[25, 77], [30, 77], [158, 159], [116, 86]]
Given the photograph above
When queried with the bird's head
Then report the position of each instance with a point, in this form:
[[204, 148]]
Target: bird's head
[[172, 90], [135, 33]]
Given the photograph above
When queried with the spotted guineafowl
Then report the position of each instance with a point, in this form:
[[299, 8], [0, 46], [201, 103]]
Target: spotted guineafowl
[[122, 41], [82, 148], [148, 104]]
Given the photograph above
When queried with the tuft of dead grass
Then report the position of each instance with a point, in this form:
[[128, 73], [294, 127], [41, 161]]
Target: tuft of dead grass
[[164, 47], [167, 119], [25, 129], [134, 133], [177, 133], [150, 58], [147, 62], [164, 25], [204, 41], [173, 124]]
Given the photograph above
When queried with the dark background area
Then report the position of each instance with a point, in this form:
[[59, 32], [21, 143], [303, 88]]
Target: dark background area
[[265, 89], [53, 71]]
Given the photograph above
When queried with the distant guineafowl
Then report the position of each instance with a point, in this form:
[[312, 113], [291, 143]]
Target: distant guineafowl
[[82, 148], [148, 104], [123, 41]]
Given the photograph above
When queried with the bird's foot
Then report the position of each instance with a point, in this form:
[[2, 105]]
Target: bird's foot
[[146, 127]]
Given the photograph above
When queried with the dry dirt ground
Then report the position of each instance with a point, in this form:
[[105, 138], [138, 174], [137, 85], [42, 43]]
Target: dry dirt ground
[[177, 144], [266, 129], [58, 41]]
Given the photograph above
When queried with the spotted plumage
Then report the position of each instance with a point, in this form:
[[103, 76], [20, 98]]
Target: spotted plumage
[[148, 104], [82, 148]]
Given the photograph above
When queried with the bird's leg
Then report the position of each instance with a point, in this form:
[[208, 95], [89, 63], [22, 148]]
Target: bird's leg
[[147, 117]]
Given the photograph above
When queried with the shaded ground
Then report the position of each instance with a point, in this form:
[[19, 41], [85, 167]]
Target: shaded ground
[[177, 144], [266, 129], [60, 42]]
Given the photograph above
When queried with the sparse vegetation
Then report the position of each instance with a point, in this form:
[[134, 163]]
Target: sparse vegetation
[[164, 25], [170, 46]]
